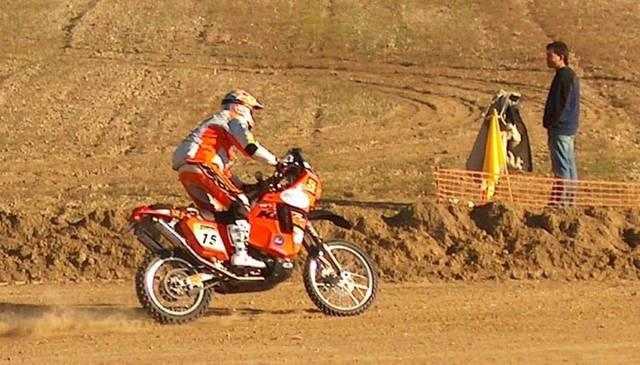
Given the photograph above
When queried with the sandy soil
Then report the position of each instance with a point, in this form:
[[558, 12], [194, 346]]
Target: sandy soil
[[95, 98], [493, 322], [95, 95]]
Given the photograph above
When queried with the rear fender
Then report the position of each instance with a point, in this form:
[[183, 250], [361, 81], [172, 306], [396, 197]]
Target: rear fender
[[164, 212]]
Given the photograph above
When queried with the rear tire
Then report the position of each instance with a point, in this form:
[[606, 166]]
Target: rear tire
[[315, 281], [148, 297]]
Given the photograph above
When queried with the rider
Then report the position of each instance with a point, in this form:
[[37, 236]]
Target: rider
[[203, 161]]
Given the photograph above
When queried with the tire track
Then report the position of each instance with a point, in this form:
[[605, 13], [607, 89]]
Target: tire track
[[300, 70], [74, 22], [356, 67], [468, 103], [447, 107], [352, 72]]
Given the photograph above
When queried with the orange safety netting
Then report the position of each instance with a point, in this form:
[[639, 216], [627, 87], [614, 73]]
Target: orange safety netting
[[528, 190]]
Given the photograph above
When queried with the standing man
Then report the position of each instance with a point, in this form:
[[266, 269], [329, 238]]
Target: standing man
[[562, 116]]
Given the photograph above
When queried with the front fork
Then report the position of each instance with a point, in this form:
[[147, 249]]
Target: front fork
[[318, 250]]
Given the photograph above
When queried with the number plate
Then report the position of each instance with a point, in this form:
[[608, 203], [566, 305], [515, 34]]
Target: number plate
[[209, 237]]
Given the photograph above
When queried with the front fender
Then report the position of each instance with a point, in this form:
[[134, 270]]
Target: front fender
[[327, 215]]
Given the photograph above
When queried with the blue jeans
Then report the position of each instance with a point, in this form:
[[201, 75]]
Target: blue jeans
[[563, 163], [563, 156]]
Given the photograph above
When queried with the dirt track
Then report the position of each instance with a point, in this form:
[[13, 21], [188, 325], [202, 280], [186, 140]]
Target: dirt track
[[95, 94], [533, 322]]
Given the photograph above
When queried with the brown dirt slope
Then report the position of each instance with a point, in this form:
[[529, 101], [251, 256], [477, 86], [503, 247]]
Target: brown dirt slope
[[95, 94], [420, 241]]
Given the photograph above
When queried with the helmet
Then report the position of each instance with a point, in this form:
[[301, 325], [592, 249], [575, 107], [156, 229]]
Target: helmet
[[243, 98]]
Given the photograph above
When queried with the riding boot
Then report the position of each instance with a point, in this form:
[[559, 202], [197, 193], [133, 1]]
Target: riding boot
[[239, 233]]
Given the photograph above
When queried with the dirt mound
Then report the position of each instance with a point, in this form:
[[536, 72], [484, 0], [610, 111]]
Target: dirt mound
[[67, 246], [432, 241], [424, 240]]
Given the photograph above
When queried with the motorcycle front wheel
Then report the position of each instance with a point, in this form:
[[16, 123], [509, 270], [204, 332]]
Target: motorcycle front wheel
[[348, 292]]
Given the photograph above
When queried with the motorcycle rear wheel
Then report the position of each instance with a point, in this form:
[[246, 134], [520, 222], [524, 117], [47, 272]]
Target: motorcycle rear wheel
[[346, 294], [160, 292]]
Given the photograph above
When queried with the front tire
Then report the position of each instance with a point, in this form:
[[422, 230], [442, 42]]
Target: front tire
[[160, 293], [347, 294]]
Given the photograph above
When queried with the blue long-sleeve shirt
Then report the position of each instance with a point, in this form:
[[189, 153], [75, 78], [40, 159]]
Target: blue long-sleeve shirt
[[562, 109]]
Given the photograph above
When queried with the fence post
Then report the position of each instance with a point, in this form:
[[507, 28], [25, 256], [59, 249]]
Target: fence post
[[435, 181]]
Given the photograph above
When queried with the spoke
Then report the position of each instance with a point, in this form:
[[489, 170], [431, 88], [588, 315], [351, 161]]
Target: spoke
[[355, 300], [360, 286], [333, 258], [340, 295], [358, 276], [326, 265], [326, 288], [324, 261]]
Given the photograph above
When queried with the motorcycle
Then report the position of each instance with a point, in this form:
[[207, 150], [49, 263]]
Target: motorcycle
[[188, 256]]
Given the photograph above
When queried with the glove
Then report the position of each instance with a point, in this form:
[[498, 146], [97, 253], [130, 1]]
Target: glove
[[248, 188], [281, 166]]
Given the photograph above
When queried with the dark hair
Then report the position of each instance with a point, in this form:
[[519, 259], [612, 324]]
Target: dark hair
[[561, 49]]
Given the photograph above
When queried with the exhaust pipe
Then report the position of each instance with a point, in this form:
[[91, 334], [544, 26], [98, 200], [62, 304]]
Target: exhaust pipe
[[145, 238]]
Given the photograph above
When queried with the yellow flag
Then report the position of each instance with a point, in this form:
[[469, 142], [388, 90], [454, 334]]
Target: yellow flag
[[495, 159]]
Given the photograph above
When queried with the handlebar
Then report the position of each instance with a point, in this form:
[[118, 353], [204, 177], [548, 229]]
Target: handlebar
[[272, 183], [264, 185]]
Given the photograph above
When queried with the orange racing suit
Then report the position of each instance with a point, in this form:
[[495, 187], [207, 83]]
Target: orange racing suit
[[204, 157]]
